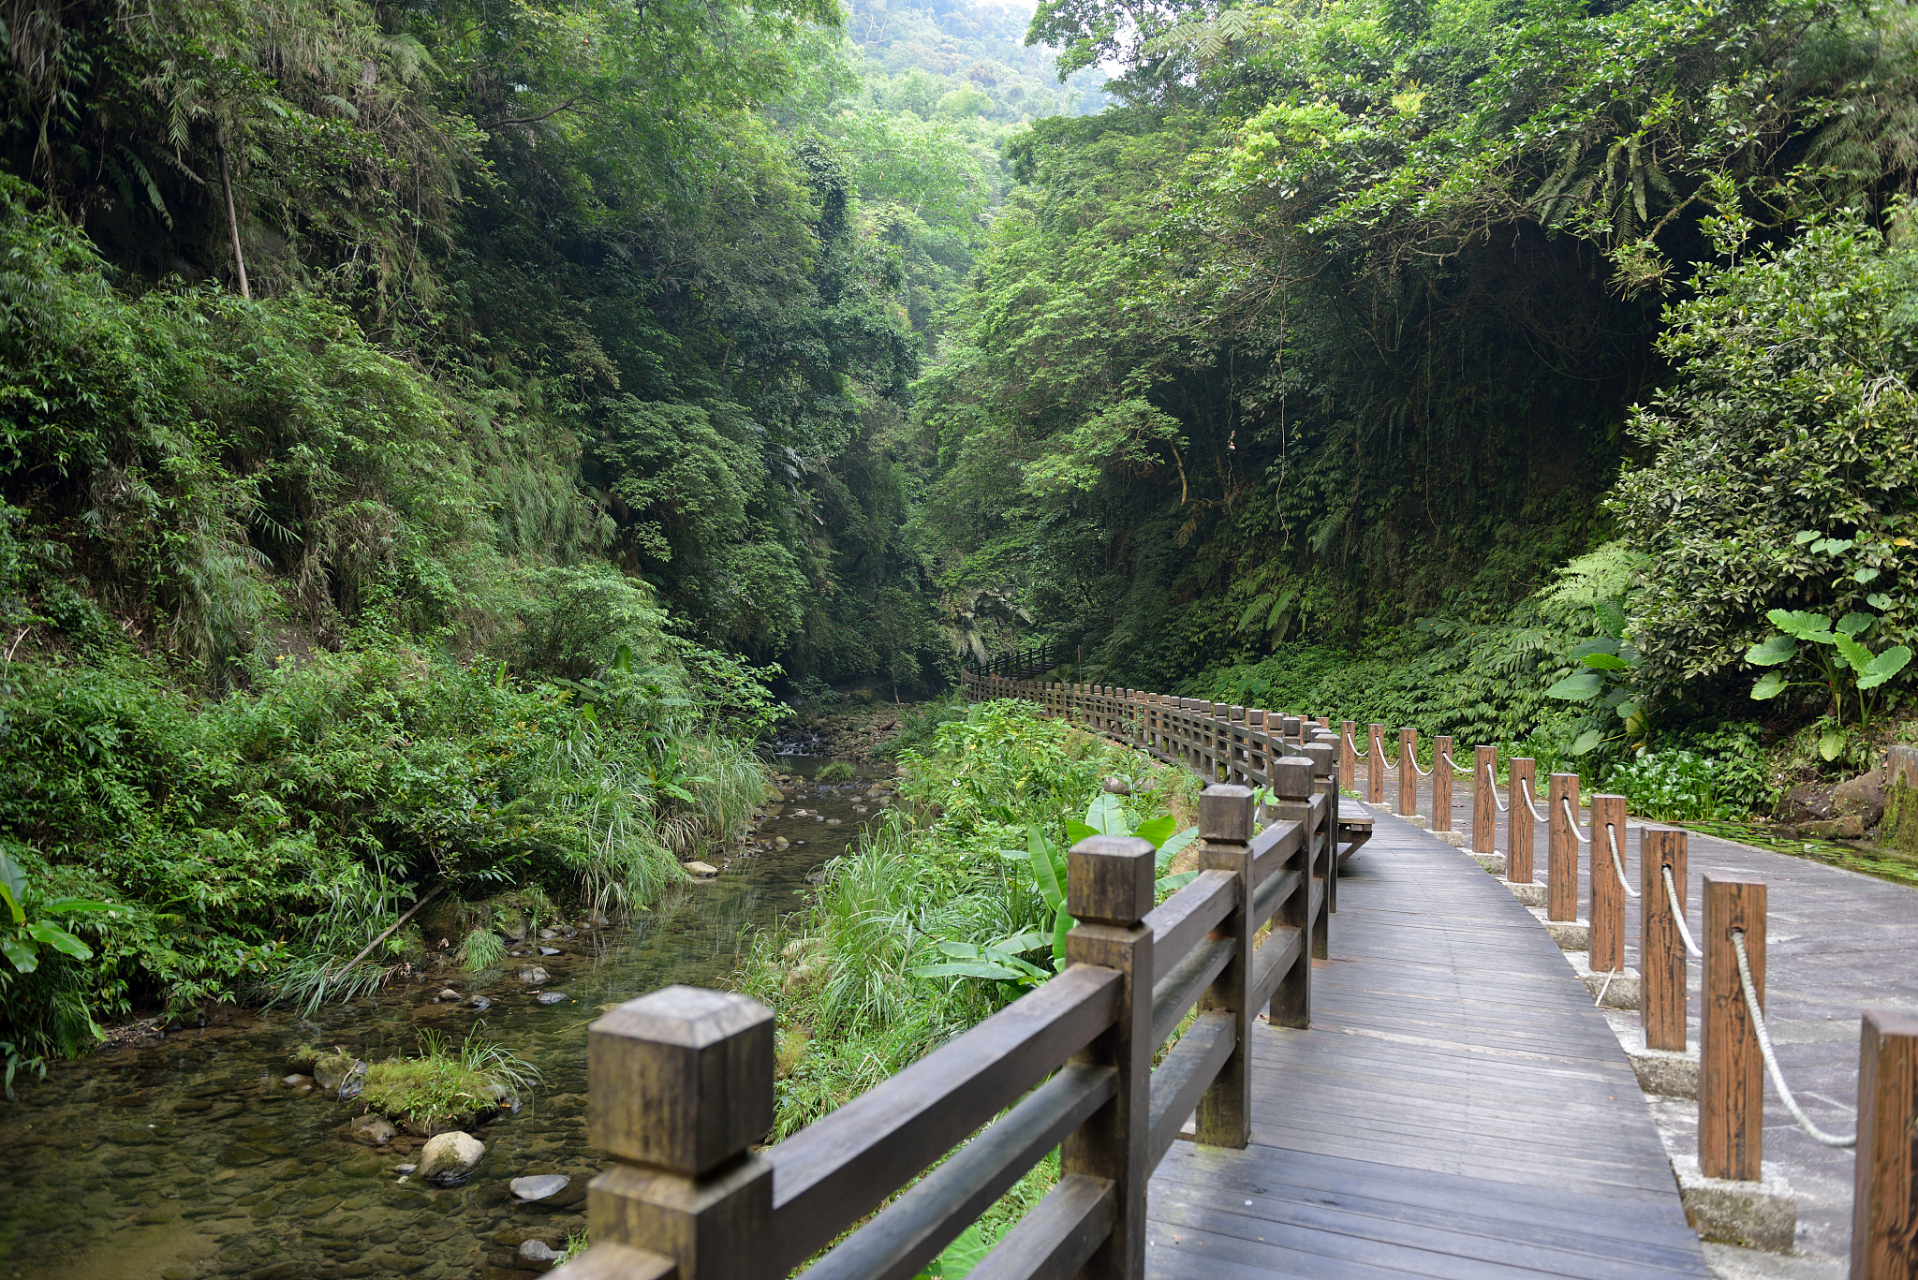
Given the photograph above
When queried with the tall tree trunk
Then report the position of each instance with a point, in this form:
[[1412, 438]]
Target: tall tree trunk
[[232, 222]]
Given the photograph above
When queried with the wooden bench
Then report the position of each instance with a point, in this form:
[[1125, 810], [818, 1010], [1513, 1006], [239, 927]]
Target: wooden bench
[[1354, 831]]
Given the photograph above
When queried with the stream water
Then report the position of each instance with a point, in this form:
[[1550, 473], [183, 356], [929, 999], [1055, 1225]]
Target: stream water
[[188, 1157]]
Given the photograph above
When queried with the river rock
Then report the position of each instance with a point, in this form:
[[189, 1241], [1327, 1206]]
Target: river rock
[[1863, 798], [532, 975], [537, 1251], [301, 1083], [1116, 787], [549, 951], [701, 868], [447, 993], [330, 1070], [449, 1159], [552, 997], [539, 1186], [780, 842], [480, 1003], [374, 1131]]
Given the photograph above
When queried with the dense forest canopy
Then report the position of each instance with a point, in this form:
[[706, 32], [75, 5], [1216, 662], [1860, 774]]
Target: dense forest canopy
[[1330, 335]]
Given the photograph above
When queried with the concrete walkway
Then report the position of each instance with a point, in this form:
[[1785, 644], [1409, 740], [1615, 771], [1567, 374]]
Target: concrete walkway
[[1837, 943]]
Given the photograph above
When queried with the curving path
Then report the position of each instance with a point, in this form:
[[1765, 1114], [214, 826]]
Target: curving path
[[1458, 1109]]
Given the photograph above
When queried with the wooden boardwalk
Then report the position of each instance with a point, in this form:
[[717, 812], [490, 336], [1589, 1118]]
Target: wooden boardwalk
[[1458, 1108]]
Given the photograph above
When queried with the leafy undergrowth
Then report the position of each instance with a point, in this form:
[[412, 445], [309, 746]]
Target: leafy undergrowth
[[863, 983], [447, 1086]]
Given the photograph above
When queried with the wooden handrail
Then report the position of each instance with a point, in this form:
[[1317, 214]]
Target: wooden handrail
[[682, 1083]]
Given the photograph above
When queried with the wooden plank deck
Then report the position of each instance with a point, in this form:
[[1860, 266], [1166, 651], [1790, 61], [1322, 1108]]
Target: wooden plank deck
[[1458, 1109]]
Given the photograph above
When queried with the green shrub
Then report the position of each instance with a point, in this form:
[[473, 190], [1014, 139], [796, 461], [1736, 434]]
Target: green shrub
[[1680, 785], [446, 1086], [837, 771]]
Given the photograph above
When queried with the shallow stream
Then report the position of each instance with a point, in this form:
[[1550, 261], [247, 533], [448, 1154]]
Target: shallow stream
[[188, 1157]]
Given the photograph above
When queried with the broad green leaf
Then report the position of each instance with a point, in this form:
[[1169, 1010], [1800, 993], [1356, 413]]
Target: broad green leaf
[[1865, 575], [1770, 685], [1806, 535], [1039, 854], [1856, 655], [1855, 623], [73, 906], [21, 952], [1587, 742], [1077, 831], [1806, 626], [1606, 662], [1832, 546], [1170, 849], [1627, 709], [958, 1259], [13, 887], [1577, 688], [1174, 883], [59, 939], [1106, 815], [1884, 666], [1612, 618], [1061, 926], [1831, 743], [1598, 644], [1769, 653], [968, 969], [1156, 831], [1879, 601], [1030, 940]]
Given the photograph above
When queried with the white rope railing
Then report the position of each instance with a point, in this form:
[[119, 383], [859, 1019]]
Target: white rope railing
[[1492, 778], [1618, 864], [1423, 773], [1527, 793], [1565, 803], [1463, 773], [1678, 914], [1771, 1061]]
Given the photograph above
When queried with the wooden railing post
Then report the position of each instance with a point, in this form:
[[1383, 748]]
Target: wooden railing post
[[1348, 757], [1661, 951], [681, 1088], [1375, 764], [1731, 1073], [1323, 751], [1291, 1004], [1225, 824], [1561, 848], [1485, 800], [1408, 772], [1109, 891], [1441, 783], [1608, 890], [1884, 1221], [1521, 783]]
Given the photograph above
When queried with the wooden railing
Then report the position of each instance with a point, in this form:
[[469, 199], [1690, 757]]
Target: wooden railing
[[682, 1079]]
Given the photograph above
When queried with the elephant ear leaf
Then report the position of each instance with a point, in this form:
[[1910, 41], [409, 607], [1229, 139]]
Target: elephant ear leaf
[[1770, 685], [1884, 667], [1587, 742], [1577, 688], [1771, 652], [1856, 656], [1855, 623]]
